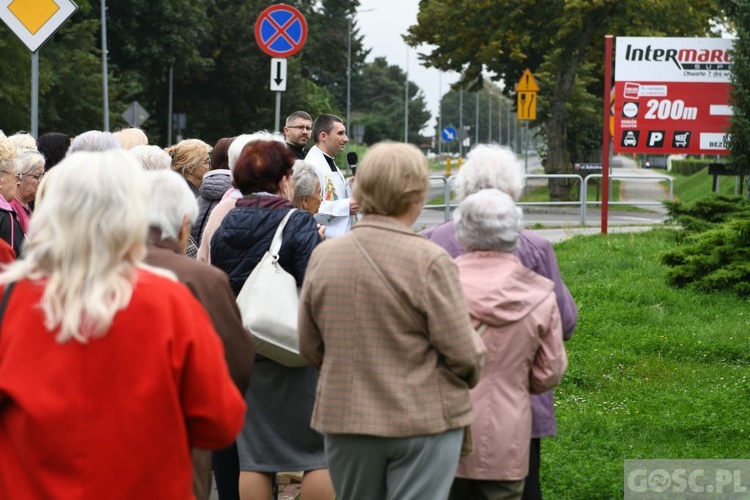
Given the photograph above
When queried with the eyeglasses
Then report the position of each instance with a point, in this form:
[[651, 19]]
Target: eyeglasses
[[17, 176], [38, 177], [301, 127]]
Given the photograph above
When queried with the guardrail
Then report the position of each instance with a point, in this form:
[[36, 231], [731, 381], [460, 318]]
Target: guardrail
[[582, 202]]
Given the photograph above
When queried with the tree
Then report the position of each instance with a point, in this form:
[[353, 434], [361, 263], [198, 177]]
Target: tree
[[739, 128], [559, 40], [380, 104]]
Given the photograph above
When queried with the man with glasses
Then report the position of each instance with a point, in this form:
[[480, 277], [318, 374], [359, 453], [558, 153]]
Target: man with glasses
[[297, 132]]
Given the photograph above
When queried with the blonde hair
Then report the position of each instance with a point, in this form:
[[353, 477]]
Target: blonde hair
[[188, 154], [391, 178], [23, 140], [8, 155], [131, 137], [85, 241]]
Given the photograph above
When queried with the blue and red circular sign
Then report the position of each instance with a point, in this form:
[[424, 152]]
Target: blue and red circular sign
[[281, 30]]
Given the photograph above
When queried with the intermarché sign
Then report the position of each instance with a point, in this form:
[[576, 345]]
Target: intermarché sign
[[672, 95]]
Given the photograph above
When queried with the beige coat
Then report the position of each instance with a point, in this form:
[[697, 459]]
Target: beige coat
[[525, 354], [383, 373]]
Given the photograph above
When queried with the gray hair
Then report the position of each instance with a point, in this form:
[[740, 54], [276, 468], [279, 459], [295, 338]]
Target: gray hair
[[152, 157], [23, 140], [296, 115], [304, 179], [93, 141], [233, 154], [169, 201], [30, 159], [489, 166], [488, 220]]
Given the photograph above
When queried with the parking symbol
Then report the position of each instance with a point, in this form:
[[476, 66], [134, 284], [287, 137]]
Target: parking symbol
[[630, 139], [681, 139], [656, 138]]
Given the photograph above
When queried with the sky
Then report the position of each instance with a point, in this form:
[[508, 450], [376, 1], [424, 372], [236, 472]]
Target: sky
[[381, 23]]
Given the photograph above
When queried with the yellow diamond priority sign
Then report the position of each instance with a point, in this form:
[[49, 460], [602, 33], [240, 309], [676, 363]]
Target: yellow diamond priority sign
[[34, 21]]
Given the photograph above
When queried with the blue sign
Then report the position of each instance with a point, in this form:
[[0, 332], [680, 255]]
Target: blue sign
[[448, 134]]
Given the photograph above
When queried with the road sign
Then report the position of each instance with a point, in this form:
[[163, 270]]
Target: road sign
[[526, 106], [527, 83], [448, 134], [672, 95], [278, 74], [135, 114], [35, 21], [281, 30]]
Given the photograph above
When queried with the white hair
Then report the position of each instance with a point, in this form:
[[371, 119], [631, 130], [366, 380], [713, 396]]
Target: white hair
[[30, 160], [152, 157], [23, 140], [93, 140], [489, 166], [85, 240], [488, 220], [239, 142], [169, 201], [304, 179]]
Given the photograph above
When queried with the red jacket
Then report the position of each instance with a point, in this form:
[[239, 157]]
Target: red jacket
[[114, 418]]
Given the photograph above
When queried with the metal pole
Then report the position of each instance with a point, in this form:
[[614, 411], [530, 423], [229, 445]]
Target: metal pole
[[489, 126], [605, 125], [440, 113], [526, 147], [277, 119], [349, 77], [460, 122], [35, 93], [507, 129], [105, 82], [476, 120], [169, 107], [406, 99]]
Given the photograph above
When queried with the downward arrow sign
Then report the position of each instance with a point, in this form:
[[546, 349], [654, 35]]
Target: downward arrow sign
[[278, 74]]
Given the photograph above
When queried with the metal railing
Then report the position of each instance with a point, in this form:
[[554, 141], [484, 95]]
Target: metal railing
[[582, 202]]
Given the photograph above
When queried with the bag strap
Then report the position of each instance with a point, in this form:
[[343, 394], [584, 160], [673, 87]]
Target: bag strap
[[276, 243], [385, 281]]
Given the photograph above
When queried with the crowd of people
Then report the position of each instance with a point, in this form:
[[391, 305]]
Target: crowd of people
[[126, 369]]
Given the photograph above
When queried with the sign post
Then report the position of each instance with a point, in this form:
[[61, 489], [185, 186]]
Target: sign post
[[34, 23], [281, 32], [526, 91]]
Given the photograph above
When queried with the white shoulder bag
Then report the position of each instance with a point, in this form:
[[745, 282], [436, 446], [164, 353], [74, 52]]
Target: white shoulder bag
[[269, 301]]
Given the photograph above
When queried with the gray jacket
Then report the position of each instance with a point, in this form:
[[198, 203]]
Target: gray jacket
[[215, 184]]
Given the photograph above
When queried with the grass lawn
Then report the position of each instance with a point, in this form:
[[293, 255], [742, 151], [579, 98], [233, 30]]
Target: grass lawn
[[655, 372], [699, 185]]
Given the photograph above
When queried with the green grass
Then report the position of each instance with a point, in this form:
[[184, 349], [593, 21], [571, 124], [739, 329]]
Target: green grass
[[699, 185], [655, 372]]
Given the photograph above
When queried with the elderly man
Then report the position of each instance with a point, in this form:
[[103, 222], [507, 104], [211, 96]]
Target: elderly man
[[297, 132], [172, 209], [493, 167], [338, 208]]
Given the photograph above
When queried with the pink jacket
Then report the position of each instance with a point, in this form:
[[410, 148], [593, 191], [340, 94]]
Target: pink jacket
[[525, 354]]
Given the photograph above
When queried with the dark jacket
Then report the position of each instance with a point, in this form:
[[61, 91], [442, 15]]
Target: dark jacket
[[10, 229], [210, 286], [215, 184], [246, 233]]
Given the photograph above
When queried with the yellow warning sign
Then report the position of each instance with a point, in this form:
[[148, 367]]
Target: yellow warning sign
[[527, 83], [526, 106]]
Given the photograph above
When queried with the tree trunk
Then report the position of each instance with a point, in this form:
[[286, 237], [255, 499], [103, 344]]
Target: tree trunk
[[557, 160]]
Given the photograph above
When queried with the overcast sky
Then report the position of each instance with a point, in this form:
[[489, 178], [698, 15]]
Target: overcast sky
[[381, 23]]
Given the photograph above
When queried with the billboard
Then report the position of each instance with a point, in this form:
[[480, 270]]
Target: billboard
[[672, 95]]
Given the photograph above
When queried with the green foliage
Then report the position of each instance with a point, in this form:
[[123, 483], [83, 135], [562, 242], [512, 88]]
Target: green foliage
[[706, 213], [689, 166], [739, 125]]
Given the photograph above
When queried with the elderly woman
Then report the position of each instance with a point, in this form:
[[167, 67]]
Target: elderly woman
[[190, 158], [131, 137], [151, 157], [108, 370], [494, 167], [277, 436], [383, 317], [93, 141], [216, 182], [306, 187], [517, 310], [31, 171], [10, 228]]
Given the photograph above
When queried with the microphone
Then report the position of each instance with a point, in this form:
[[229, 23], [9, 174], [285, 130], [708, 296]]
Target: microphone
[[352, 159]]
